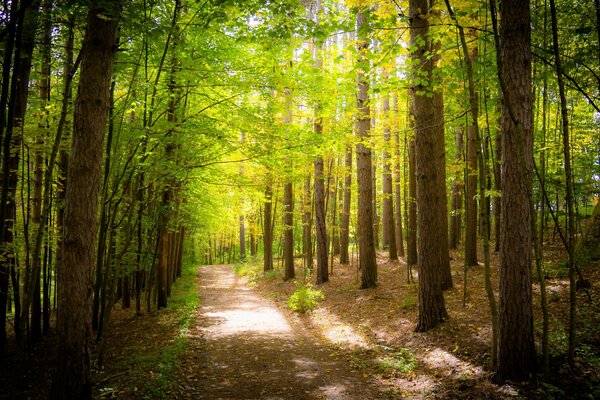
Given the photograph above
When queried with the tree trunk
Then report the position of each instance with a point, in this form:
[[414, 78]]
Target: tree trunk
[[470, 197], [387, 213], [288, 232], [345, 220], [320, 217], [397, 199], [366, 237], [430, 263], [516, 349], [307, 225], [411, 242], [267, 229], [564, 112], [19, 88], [456, 216], [72, 379]]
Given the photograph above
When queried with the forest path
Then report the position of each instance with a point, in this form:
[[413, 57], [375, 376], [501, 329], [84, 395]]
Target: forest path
[[243, 347]]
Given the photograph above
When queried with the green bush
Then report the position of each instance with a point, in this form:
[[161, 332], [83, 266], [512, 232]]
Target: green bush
[[305, 298]]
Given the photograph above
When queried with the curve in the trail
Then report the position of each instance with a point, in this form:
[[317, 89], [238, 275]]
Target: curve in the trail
[[243, 347]]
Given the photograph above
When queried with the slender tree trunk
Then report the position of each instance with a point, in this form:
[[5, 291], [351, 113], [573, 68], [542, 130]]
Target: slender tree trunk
[[267, 229], [411, 242], [397, 199], [288, 224], [456, 216], [320, 217], [307, 225], [72, 379], [345, 220], [569, 187], [366, 223], [19, 90], [387, 213]]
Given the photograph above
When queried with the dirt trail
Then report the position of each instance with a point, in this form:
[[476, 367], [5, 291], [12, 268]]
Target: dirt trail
[[243, 347]]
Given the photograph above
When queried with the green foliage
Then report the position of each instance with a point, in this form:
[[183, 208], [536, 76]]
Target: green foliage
[[305, 298], [400, 361], [387, 361]]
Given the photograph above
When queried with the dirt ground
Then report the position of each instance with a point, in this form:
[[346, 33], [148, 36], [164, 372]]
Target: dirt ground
[[237, 339], [244, 347]]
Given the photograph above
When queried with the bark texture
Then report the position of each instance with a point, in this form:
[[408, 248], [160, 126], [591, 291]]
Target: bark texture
[[516, 350], [74, 280], [431, 262], [366, 237]]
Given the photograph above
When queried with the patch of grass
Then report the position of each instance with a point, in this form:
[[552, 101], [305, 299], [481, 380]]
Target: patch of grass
[[400, 361], [156, 366], [391, 362], [347, 288], [408, 303], [272, 274], [305, 298]]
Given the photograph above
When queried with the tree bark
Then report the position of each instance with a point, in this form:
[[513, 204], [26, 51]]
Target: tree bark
[[430, 263], [366, 223], [397, 199], [387, 214], [288, 232], [267, 229], [516, 349], [72, 379], [456, 216], [345, 220], [307, 225]]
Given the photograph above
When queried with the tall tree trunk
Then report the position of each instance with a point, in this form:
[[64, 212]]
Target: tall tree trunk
[[430, 263], [44, 92], [320, 217], [387, 213], [366, 237], [516, 349], [439, 153], [564, 113], [267, 229], [19, 90], [397, 198], [72, 378], [411, 242], [345, 220], [471, 198], [456, 216], [288, 226], [307, 225]]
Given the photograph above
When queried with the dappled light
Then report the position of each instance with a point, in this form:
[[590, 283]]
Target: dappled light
[[336, 331]]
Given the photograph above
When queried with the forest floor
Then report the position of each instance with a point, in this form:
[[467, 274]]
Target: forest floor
[[238, 339]]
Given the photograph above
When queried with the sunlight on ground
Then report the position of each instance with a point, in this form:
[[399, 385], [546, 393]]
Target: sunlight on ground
[[442, 360], [336, 331], [261, 320], [246, 313]]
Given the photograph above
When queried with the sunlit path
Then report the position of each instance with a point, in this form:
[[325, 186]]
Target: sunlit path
[[243, 347]]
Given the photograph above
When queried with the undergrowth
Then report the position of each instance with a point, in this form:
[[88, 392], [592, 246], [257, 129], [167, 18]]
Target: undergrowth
[[155, 367], [305, 298]]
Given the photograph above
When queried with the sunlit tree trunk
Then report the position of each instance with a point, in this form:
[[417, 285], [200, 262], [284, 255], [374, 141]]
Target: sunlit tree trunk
[[366, 237], [345, 220]]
